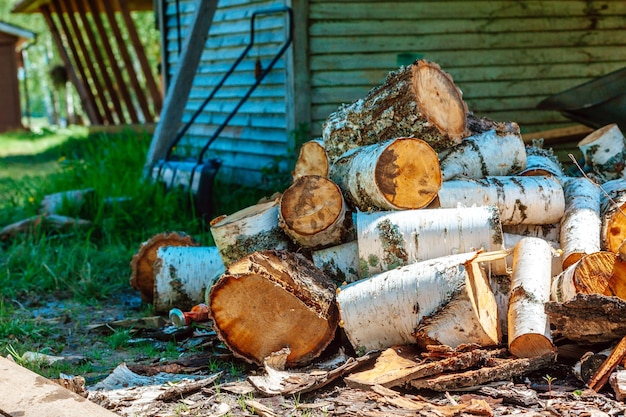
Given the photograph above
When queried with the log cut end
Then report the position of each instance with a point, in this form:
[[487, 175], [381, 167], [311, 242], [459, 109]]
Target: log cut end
[[531, 345], [408, 174], [271, 300], [601, 273], [440, 99], [614, 228], [312, 160]]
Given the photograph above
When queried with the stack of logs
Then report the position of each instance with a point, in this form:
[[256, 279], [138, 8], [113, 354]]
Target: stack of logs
[[413, 221]]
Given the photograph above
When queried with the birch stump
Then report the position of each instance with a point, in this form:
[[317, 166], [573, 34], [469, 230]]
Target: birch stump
[[580, 225], [604, 150], [419, 100], [528, 324], [597, 273], [387, 309], [312, 160], [397, 174], [248, 230], [521, 200], [312, 212], [613, 214], [387, 240], [340, 263], [486, 154], [271, 300]]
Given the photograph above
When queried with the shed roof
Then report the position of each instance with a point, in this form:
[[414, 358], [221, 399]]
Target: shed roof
[[32, 6], [16, 31]]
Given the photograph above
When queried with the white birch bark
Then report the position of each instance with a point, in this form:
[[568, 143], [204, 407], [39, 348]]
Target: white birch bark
[[485, 154], [340, 262], [249, 230], [521, 200], [604, 150], [541, 161], [549, 232], [580, 225], [511, 240], [390, 239], [184, 275], [528, 324]]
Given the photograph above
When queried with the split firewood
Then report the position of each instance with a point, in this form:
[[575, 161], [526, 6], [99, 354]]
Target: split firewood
[[440, 301], [270, 300], [389, 239], [521, 200], [597, 273], [396, 174], [419, 100], [550, 232], [340, 263], [248, 230], [588, 318], [604, 150], [183, 275], [45, 222], [613, 214], [485, 154], [312, 160], [528, 324], [580, 225], [142, 263], [500, 285], [498, 370], [541, 162], [312, 212], [397, 366], [601, 377]]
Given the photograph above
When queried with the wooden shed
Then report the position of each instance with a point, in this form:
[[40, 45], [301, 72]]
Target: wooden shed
[[11, 39], [505, 55]]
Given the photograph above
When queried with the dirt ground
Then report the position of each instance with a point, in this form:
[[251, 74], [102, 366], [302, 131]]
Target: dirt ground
[[209, 381]]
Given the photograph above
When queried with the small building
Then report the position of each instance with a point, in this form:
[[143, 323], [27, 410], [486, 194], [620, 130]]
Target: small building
[[11, 39]]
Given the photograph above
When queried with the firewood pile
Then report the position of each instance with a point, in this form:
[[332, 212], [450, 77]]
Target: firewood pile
[[414, 222]]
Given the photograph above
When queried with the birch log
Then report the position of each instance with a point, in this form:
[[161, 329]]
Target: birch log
[[580, 225], [613, 214], [270, 300], [387, 309], [528, 324], [312, 160], [550, 232], [597, 273], [313, 212], [521, 200], [486, 154], [511, 240], [419, 100], [183, 275], [340, 263], [387, 240], [397, 174], [603, 150], [541, 161], [248, 230]]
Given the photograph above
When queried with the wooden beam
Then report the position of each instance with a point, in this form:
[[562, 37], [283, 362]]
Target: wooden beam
[[92, 6], [33, 6], [122, 48], [298, 99], [85, 59], [141, 56], [92, 114], [178, 91], [79, 6], [25, 393]]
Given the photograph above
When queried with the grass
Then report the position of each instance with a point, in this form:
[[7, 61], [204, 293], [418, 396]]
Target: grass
[[88, 267]]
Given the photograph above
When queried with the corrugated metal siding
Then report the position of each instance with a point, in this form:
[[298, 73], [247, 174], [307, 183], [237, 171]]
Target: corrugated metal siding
[[506, 56], [257, 134]]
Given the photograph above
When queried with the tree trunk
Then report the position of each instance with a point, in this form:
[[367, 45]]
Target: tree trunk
[[580, 225], [270, 300], [142, 263], [248, 230], [397, 174], [313, 212], [521, 200], [485, 154], [340, 263], [387, 309], [387, 240], [183, 276], [312, 160], [419, 100], [604, 151], [528, 324], [597, 273], [612, 212]]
